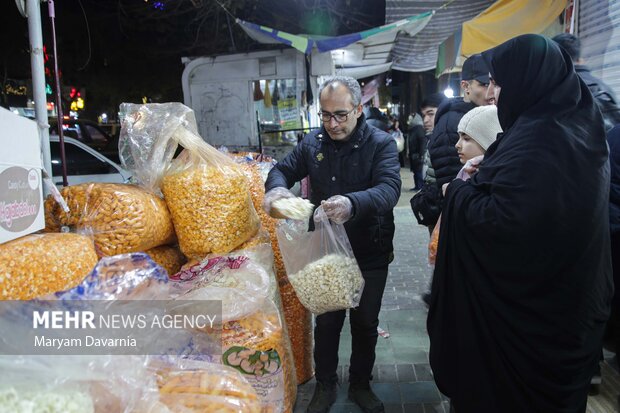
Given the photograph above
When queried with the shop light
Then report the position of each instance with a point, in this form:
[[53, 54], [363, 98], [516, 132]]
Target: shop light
[[449, 92]]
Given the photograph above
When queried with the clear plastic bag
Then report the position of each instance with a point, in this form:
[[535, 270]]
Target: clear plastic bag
[[121, 218], [39, 264], [241, 285], [207, 193], [122, 277], [189, 386], [77, 384], [321, 264]]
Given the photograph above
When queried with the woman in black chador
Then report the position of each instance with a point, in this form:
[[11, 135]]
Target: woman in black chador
[[522, 283]]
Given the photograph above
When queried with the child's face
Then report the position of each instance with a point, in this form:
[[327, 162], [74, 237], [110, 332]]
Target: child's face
[[467, 148]]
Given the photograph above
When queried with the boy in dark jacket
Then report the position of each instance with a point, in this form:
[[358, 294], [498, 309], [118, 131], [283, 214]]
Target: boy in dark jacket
[[355, 175]]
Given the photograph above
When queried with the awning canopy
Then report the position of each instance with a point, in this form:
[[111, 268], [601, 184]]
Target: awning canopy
[[419, 53], [361, 72], [369, 47], [506, 19], [502, 21]]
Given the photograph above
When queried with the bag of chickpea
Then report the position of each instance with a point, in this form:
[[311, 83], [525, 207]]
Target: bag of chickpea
[[320, 264], [207, 193]]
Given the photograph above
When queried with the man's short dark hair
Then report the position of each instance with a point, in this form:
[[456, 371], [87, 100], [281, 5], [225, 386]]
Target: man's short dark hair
[[570, 43], [432, 101]]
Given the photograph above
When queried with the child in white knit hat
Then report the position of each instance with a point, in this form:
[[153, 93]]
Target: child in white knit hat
[[477, 129]]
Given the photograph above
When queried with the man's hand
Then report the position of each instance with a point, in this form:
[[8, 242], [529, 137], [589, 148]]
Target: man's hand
[[338, 209], [274, 195]]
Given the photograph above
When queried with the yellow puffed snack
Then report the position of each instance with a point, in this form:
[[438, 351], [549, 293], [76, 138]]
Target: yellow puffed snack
[[122, 218], [169, 257], [211, 209], [206, 388], [40, 264]]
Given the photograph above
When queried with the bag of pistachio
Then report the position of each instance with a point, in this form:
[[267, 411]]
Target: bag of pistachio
[[207, 193]]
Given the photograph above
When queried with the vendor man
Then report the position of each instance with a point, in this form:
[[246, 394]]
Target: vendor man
[[355, 175]]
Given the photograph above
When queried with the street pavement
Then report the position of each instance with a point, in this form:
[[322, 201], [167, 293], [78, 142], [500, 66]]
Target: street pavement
[[402, 377]]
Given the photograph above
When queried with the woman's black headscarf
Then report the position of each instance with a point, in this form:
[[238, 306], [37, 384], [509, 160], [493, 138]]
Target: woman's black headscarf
[[522, 282]]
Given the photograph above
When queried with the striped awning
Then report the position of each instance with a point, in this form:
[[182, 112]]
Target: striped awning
[[419, 53]]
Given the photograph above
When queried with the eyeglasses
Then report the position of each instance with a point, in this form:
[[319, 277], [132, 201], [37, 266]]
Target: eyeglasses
[[340, 117]]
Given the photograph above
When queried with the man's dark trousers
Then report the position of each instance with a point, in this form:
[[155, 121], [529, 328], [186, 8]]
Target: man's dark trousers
[[364, 322]]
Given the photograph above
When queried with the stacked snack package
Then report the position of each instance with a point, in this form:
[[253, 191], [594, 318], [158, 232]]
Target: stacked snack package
[[254, 339], [120, 384], [298, 318], [206, 192], [121, 218], [40, 264]]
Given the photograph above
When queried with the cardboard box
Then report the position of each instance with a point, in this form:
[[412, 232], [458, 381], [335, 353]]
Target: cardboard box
[[21, 187]]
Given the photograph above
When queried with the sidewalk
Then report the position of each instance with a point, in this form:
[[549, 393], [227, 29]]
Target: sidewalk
[[402, 375]]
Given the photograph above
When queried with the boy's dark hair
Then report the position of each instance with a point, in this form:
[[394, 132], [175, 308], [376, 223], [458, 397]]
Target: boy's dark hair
[[433, 100], [570, 43]]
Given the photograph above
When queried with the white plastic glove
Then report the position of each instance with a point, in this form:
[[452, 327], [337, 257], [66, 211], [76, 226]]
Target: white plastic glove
[[273, 195], [338, 209]]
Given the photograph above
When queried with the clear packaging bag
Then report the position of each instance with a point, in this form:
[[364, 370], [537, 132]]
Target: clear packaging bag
[[77, 384], [206, 192], [191, 386], [241, 285], [121, 218], [121, 277], [320, 264], [39, 264]]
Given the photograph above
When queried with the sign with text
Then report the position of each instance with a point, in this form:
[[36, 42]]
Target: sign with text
[[137, 327]]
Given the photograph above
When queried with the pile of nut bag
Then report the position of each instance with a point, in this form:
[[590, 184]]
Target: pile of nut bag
[[188, 229]]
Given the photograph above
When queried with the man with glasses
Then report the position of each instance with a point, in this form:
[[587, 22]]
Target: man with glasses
[[355, 175]]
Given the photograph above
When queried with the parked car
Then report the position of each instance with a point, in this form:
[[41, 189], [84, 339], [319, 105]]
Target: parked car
[[84, 164], [89, 133]]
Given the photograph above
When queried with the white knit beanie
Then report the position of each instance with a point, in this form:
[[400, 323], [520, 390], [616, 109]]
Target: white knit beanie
[[481, 124]]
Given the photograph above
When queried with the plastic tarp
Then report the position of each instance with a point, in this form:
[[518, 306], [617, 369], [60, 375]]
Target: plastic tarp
[[368, 47], [506, 19], [419, 53], [502, 21], [364, 71]]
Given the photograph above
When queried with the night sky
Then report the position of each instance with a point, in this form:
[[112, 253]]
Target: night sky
[[121, 50]]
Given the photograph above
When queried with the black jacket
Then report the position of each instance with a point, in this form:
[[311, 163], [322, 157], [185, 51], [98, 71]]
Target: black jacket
[[365, 169], [444, 157], [613, 140], [604, 97]]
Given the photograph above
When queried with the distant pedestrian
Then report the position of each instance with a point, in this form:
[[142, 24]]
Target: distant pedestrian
[[416, 147], [604, 96]]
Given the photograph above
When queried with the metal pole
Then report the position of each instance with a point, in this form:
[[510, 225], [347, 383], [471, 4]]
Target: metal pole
[[38, 80], [61, 137]]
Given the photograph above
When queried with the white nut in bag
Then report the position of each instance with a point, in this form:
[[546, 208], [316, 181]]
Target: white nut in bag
[[331, 283]]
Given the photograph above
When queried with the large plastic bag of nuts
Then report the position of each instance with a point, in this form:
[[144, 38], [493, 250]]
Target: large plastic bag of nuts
[[298, 318], [207, 193], [78, 384], [321, 264], [121, 218], [41, 264]]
